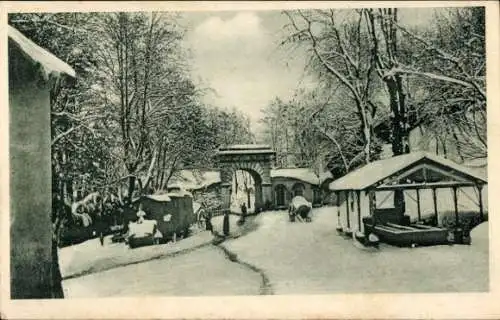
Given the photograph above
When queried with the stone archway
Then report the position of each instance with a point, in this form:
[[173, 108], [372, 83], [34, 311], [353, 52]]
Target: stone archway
[[255, 159]]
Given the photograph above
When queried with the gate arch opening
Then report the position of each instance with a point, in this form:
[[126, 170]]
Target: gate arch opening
[[255, 159], [246, 188]]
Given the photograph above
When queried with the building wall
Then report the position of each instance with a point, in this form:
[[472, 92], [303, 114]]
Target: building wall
[[30, 182], [289, 183]]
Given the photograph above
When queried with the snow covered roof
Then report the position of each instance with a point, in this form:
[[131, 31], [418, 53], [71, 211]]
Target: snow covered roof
[[159, 197], [245, 147], [302, 174], [191, 180], [49, 64], [325, 175], [179, 193], [377, 171]]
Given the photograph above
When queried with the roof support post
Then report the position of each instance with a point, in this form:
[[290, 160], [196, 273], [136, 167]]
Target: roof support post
[[480, 194], [347, 209], [455, 203], [434, 198], [337, 196], [358, 196], [419, 212], [371, 199]]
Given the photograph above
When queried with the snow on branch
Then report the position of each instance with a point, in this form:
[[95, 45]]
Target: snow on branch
[[394, 71]]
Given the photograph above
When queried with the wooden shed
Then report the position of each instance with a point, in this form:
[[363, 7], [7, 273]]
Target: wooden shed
[[33, 253], [173, 211], [370, 197]]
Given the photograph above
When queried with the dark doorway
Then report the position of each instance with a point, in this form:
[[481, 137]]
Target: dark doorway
[[280, 195], [298, 189]]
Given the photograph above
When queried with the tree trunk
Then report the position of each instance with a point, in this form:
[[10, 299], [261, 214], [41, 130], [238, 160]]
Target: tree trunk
[[399, 118], [131, 188], [399, 129], [367, 146]]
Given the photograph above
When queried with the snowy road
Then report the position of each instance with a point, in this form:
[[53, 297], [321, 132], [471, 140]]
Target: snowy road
[[205, 271], [190, 267], [295, 258], [311, 258]]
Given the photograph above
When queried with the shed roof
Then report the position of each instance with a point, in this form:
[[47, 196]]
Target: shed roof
[[189, 180], [377, 171], [159, 197], [302, 174], [49, 64], [179, 193]]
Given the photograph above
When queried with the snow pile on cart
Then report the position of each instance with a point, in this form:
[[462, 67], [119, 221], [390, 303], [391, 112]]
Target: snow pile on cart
[[300, 209]]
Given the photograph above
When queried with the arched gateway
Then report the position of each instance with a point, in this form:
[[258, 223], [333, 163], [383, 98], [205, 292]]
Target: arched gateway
[[255, 159]]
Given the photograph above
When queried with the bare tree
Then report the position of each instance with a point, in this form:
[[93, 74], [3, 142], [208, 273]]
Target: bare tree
[[342, 52]]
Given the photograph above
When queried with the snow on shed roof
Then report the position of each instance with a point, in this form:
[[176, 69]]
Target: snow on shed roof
[[376, 171], [159, 197], [180, 193], [245, 147], [50, 64], [188, 180], [302, 174]]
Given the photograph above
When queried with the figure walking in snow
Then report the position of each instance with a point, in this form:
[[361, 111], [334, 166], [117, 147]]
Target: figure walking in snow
[[243, 210], [208, 221], [225, 224], [243, 214]]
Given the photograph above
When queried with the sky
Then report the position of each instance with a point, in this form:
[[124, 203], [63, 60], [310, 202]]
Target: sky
[[237, 54]]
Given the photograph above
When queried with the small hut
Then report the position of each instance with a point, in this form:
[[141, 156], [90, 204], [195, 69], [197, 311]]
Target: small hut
[[404, 198], [288, 183], [173, 211]]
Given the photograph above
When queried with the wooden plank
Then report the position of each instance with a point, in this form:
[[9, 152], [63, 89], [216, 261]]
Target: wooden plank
[[347, 209], [337, 195], [434, 185], [481, 209], [455, 203], [419, 212], [358, 195], [371, 199], [434, 198], [398, 226]]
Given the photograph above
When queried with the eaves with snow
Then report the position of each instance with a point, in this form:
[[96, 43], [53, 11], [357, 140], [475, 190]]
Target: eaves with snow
[[49, 66], [192, 180], [302, 174]]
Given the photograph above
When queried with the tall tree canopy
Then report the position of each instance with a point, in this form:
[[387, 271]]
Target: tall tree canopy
[[374, 72]]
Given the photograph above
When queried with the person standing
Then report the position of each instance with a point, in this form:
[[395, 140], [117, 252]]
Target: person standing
[[243, 214], [208, 221], [243, 210], [225, 224]]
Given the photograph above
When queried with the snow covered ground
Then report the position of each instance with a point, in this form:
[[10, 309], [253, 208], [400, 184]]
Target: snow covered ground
[[205, 272], [297, 258], [90, 256], [310, 258], [190, 267]]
